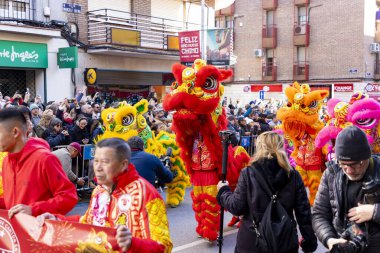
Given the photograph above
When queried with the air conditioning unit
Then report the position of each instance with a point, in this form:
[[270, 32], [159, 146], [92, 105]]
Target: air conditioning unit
[[300, 29], [258, 53], [374, 47]]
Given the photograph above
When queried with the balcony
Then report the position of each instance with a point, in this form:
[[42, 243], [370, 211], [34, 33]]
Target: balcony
[[136, 33], [301, 71], [301, 34], [269, 36], [269, 72], [13, 10], [377, 70], [270, 5], [301, 2]]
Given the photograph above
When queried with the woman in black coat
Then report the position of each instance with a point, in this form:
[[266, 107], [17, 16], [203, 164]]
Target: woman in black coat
[[250, 201], [54, 135], [79, 133]]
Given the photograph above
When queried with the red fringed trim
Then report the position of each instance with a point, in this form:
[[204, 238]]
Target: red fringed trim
[[213, 209], [213, 219], [210, 234]]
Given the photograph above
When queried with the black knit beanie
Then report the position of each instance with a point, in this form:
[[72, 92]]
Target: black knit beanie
[[352, 145]]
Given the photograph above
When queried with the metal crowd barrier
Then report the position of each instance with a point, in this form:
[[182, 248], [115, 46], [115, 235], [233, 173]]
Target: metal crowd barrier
[[81, 164], [248, 142]]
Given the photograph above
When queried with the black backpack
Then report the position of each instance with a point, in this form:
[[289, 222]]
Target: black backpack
[[275, 232]]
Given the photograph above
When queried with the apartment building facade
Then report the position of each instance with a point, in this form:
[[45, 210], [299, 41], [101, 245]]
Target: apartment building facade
[[328, 44], [124, 46]]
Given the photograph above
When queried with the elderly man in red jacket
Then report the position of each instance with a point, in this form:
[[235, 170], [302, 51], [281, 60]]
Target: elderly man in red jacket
[[33, 179]]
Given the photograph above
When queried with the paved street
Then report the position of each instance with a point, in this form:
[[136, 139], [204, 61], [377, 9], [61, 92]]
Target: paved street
[[182, 229]]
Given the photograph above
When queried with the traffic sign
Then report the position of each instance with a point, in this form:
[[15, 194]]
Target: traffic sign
[[261, 94]]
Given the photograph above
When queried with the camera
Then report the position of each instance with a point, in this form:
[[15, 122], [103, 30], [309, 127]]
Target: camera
[[71, 100], [356, 240]]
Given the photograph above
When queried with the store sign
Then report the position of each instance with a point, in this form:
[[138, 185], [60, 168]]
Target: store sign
[[23, 55], [90, 76], [189, 46], [372, 87], [343, 87], [67, 57], [266, 87]]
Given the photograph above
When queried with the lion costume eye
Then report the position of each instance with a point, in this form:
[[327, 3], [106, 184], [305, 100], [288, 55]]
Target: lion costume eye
[[313, 104], [210, 84], [128, 119]]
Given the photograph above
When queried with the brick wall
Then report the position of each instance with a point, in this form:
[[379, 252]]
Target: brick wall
[[338, 41], [141, 7], [80, 19]]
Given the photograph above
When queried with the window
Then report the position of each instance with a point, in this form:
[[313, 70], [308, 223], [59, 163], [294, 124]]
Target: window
[[19, 6], [4, 4], [229, 22], [302, 15], [19, 9], [269, 58], [301, 60]]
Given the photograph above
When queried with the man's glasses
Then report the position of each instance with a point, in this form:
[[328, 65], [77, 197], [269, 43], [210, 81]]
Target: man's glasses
[[355, 165]]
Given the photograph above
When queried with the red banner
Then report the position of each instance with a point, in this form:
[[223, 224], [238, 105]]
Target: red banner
[[23, 234], [189, 46], [266, 87], [343, 87]]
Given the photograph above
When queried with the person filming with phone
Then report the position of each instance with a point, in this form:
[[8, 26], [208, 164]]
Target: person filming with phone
[[346, 212]]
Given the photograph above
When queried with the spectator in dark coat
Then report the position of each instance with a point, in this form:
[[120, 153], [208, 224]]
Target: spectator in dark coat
[[79, 132], [250, 201], [341, 202], [55, 136], [148, 165]]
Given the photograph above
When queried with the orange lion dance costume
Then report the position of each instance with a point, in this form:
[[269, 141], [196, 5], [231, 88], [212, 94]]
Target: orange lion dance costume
[[300, 121], [197, 121]]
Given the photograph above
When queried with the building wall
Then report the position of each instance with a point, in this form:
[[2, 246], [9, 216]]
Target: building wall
[[142, 7], [340, 34]]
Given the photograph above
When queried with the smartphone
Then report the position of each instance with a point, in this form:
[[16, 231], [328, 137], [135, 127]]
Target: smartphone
[[71, 100]]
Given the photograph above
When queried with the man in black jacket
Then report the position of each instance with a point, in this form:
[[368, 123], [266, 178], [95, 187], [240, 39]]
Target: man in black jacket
[[346, 212]]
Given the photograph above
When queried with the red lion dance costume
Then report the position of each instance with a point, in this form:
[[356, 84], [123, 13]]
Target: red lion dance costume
[[300, 121], [197, 121]]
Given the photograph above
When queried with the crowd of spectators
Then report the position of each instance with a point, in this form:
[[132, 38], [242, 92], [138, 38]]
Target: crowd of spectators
[[251, 119], [78, 119]]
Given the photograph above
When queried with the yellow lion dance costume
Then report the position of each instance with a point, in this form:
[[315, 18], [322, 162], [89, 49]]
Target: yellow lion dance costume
[[300, 121], [127, 121]]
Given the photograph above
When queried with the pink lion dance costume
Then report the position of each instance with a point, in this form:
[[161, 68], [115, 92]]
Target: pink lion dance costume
[[337, 120], [365, 114], [199, 117]]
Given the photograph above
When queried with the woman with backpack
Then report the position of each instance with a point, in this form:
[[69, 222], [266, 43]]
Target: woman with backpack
[[270, 187]]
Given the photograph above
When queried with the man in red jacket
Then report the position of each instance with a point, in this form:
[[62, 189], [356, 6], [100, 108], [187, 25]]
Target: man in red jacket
[[33, 179]]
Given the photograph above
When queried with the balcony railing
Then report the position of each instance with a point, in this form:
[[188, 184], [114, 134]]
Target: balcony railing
[[269, 36], [13, 10], [269, 72], [301, 2], [301, 71], [113, 27], [270, 5]]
